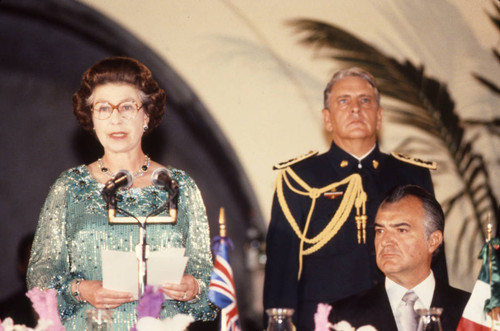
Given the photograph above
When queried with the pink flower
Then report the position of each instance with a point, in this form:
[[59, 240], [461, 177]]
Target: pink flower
[[321, 317], [45, 304]]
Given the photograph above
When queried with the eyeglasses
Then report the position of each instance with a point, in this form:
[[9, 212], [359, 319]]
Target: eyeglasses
[[127, 109]]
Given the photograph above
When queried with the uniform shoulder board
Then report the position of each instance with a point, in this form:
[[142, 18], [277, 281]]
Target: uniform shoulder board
[[285, 164], [415, 161]]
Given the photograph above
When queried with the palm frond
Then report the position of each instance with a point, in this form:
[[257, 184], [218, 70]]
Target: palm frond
[[487, 83], [493, 126], [464, 233], [481, 79], [496, 54], [430, 108], [496, 19]]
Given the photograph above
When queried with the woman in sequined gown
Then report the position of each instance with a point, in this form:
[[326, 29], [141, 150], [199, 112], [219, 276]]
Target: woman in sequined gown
[[118, 102]]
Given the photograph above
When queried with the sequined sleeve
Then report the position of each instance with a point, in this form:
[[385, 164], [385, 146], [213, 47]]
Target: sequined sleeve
[[191, 209], [49, 262]]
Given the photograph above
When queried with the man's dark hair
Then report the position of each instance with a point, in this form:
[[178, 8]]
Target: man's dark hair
[[434, 216]]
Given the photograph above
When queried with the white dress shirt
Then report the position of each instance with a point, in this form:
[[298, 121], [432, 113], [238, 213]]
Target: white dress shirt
[[424, 291]]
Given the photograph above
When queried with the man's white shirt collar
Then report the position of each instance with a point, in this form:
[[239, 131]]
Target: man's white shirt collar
[[424, 291], [361, 158]]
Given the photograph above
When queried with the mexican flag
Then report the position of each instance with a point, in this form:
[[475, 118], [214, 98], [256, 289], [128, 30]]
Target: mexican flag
[[484, 297]]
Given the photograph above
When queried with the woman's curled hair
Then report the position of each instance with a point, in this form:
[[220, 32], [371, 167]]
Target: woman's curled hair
[[119, 69]]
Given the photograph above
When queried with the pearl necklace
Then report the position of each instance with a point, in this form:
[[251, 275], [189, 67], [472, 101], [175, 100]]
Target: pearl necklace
[[144, 168]]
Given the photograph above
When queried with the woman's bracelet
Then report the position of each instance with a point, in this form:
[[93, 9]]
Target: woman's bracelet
[[76, 293], [197, 297]]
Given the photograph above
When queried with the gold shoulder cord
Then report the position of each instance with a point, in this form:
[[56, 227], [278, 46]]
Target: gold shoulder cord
[[354, 196]]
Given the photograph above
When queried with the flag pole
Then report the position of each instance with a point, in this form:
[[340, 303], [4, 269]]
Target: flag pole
[[488, 239], [222, 291], [222, 223], [490, 263]]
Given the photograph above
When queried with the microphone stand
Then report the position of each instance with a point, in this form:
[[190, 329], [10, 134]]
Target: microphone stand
[[142, 253], [142, 248]]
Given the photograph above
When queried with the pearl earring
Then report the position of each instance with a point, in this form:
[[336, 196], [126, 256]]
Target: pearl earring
[[146, 127]]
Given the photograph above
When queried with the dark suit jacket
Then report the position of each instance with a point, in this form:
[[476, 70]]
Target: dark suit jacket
[[342, 267], [373, 308]]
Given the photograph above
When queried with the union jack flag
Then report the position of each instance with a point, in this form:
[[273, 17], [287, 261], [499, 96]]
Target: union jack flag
[[222, 290]]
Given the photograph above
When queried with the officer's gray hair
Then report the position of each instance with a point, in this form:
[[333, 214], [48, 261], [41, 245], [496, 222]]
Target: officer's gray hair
[[349, 72]]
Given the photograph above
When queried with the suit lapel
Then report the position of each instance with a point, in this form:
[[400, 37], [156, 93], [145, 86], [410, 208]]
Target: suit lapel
[[443, 299], [381, 311]]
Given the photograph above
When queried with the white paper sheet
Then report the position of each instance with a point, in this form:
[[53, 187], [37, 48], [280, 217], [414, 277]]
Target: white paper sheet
[[120, 270]]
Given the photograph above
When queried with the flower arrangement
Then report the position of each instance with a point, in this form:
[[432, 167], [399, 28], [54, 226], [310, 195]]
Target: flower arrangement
[[322, 324], [148, 313], [45, 304]]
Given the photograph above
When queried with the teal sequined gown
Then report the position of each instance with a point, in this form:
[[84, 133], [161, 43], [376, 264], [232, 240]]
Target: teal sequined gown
[[73, 228]]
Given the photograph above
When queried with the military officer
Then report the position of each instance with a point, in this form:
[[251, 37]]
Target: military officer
[[320, 241]]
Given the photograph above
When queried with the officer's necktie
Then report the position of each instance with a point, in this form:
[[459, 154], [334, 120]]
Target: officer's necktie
[[408, 316]]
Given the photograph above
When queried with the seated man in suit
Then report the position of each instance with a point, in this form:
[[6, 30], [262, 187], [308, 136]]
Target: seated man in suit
[[408, 233]]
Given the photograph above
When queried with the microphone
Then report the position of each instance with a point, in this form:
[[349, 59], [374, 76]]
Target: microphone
[[123, 178], [161, 179]]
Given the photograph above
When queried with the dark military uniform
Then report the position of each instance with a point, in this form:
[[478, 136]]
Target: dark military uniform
[[342, 267]]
